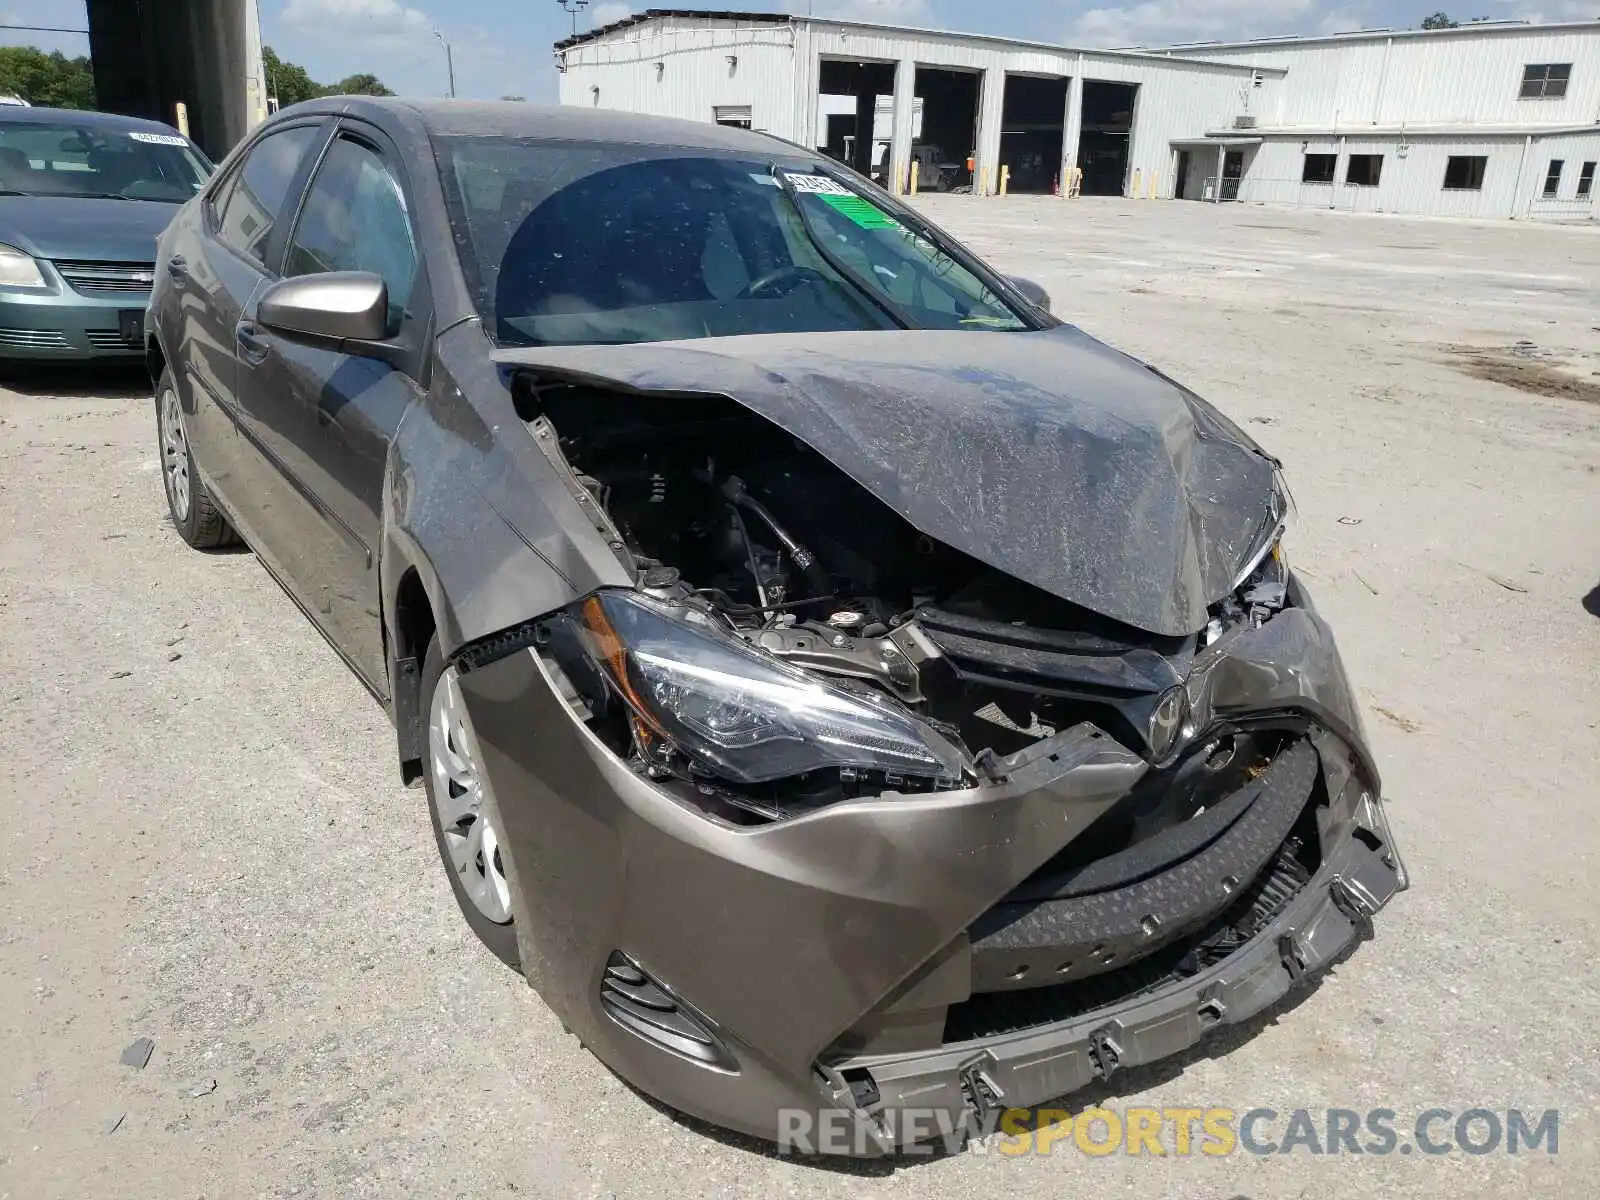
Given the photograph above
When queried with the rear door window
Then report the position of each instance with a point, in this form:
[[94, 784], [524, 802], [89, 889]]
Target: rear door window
[[256, 199]]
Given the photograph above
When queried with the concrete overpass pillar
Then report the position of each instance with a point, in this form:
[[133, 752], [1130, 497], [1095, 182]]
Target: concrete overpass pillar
[[149, 55]]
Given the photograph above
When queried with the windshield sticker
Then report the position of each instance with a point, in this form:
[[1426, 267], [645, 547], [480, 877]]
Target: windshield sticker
[[818, 185], [860, 211], [763, 179], [157, 139]]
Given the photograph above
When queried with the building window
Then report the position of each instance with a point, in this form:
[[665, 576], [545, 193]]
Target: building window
[[736, 116], [1319, 168], [1552, 178], [1464, 173], [1586, 181], [1364, 170], [1545, 81]]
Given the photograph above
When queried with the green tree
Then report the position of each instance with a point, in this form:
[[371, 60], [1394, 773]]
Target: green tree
[[49, 80], [287, 81], [291, 83], [360, 85], [1440, 20]]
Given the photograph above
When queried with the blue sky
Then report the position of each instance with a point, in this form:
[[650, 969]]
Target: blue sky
[[502, 47]]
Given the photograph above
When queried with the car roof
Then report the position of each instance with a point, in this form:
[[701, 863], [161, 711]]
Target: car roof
[[85, 118], [518, 119]]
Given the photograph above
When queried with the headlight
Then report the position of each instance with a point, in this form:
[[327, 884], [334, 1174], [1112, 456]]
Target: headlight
[[1269, 545], [19, 270], [738, 713]]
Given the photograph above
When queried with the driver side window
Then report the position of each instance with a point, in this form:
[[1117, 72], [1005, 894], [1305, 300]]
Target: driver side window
[[355, 219]]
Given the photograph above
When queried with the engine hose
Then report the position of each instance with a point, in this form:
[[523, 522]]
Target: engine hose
[[817, 578]]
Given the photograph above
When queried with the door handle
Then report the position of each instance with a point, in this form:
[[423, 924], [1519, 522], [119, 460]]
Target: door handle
[[253, 348]]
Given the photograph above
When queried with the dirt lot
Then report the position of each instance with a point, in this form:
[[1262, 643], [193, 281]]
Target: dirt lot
[[206, 842]]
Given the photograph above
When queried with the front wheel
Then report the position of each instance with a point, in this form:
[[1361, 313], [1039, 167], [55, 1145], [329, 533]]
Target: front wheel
[[466, 823], [195, 514]]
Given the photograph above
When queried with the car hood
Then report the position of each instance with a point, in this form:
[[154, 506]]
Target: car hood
[[79, 227], [1047, 455]]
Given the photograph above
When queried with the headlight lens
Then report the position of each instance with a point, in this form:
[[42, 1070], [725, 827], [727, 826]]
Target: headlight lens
[[1270, 544], [740, 714], [19, 270]]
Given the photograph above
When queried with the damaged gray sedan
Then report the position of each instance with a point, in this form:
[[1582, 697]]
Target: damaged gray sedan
[[838, 685]]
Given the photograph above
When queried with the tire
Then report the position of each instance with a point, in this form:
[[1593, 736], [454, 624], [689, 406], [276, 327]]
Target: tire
[[463, 810], [194, 513]]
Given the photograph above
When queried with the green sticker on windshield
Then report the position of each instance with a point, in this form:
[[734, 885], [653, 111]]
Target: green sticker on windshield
[[860, 211]]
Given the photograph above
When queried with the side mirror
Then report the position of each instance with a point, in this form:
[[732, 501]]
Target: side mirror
[[338, 306], [1035, 294]]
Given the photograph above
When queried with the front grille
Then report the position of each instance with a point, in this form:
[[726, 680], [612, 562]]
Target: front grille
[[108, 278], [34, 339], [1127, 905], [110, 339], [989, 1014]]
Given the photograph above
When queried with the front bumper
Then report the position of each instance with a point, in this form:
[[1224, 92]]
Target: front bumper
[[923, 1095], [64, 325], [827, 949]]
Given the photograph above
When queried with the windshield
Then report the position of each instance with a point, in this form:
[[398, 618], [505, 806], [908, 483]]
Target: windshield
[[65, 159], [572, 243]]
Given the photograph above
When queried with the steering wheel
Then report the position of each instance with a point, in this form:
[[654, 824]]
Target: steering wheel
[[781, 282]]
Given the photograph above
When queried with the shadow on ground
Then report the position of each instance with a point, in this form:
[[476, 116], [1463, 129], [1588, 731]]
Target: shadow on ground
[[118, 381]]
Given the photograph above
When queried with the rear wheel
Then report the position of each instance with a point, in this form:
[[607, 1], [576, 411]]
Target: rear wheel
[[195, 514], [466, 823]]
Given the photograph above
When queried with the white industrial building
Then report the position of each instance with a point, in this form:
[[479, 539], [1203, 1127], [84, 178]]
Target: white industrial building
[[1486, 120]]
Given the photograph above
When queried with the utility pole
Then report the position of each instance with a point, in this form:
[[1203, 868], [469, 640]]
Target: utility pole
[[449, 61], [574, 7]]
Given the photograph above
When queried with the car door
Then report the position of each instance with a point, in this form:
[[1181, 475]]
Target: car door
[[214, 268], [325, 418]]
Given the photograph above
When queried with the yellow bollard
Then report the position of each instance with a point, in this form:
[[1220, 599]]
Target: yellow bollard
[[1153, 182], [916, 170], [1005, 180], [183, 118], [1134, 191]]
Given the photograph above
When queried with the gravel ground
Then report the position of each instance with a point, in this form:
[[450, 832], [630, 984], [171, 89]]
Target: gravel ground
[[206, 842]]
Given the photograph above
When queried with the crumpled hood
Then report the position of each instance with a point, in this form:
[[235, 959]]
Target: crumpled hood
[[72, 227], [1046, 455]]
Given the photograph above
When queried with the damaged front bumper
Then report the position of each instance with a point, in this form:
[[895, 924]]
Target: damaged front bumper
[[742, 974], [915, 1096]]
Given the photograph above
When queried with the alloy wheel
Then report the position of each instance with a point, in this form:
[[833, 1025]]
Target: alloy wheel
[[175, 455], [465, 809]]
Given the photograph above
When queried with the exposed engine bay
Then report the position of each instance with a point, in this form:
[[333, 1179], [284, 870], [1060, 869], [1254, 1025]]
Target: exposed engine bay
[[714, 507]]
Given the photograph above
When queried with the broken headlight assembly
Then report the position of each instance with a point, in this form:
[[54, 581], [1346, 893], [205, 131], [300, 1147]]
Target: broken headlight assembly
[[1265, 559], [734, 712]]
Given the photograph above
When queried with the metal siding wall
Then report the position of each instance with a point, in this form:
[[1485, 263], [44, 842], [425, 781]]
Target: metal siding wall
[[1479, 80], [1575, 150], [695, 78], [1413, 184], [1429, 80]]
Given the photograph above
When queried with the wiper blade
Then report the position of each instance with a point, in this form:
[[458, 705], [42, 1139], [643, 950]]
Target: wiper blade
[[876, 298], [13, 192]]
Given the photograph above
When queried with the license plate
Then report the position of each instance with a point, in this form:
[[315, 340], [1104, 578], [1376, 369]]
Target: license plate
[[131, 322]]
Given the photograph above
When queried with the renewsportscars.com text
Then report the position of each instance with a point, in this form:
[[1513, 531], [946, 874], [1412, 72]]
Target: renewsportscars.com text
[[1182, 1132]]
